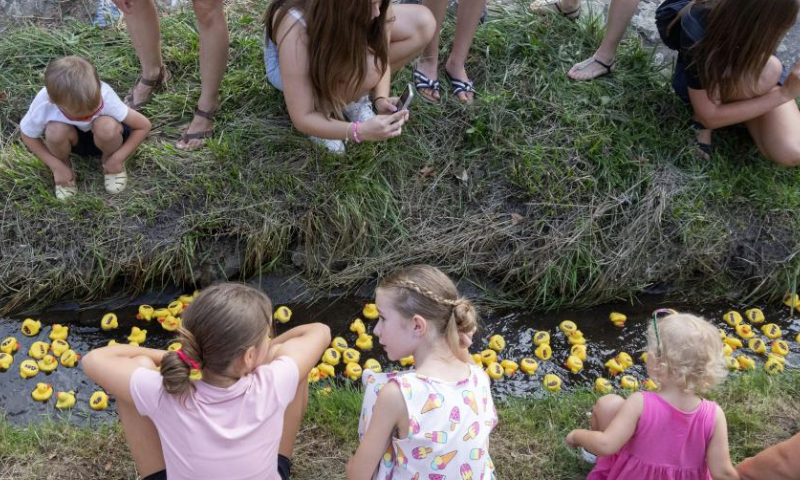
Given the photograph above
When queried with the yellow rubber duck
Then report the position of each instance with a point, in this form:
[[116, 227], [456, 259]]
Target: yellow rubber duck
[[174, 346], [733, 342], [112, 342], [797, 338], [59, 332], [574, 364], [10, 346], [777, 358], [160, 313], [722, 334], [650, 385], [313, 375], [543, 352], [145, 313], [618, 319], [757, 345], [364, 342], [28, 369], [65, 400], [372, 364], [567, 326], [772, 331], [370, 311], [746, 363], [31, 327], [625, 360], [409, 360], [6, 359], [42, 392], [579, 351], [69, 358], [779, 347], [98, 401], [731, 363], [745, 331], [528, 365], [358, 327], [603, 386], [109, 321], [353, 371], [340, 344], [510, 367], [186, 299], [326, 370], [351, 355], [791, 300], [643, 357], [614, 367], [282, 314], [133, 344], [755, 315], [541, 337], [727, 350], [170, 323], [497, 343], [137, 335], [38, 350], [58, 347], [175, 308], [628, 382], [773, 366], [488, 356], [576, 338], [494, 370], [552, 383], [331, 356], [732, 318], [48, 363], [476, 359]]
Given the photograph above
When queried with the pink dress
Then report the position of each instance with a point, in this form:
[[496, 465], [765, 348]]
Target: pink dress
[[668, 444]]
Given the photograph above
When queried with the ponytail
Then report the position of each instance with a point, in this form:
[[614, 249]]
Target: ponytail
[[177, 372], [462, 324]]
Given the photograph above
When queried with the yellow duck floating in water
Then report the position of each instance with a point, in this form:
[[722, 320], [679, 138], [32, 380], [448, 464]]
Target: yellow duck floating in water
[[10, 346], [313, 375], [494, 370], [69, 358], [65, 400], [28, 369], [145, 313], [340, 344], [48, 363], [643, 357], [488, 356], [779, 347], [746, 363], [603, 386], [745, 331], [161, 313], [732, 342], [567, 327], [175, 308], [326, 370], [476, 359], [174, 346], [370, 311], [618, 319], [59, 332], [650, 385], [791, 300], [112, 342], [755, 315], [574, 364], [98, 401], [351, 355], [31, 327], [510, 367], [38, 350], [772, 331], [552, 383], [757, 345], [543, 352], [732, 318], [331, 356], [731, 363], [6, 359], [497, 343], [353, 371], [541, 337], [372, 364], [773, 366], [614, 367], [628, 382], [170, 323], [528, 366], [42, 392], [409, 360], [109, 321], [579, 351], [576, 338], [358, 327], [727, 350], [364, 342], [58, 347], [282, 314], [625, 360], [137, 335]]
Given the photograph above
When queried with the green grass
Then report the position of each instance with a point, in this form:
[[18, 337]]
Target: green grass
[[603, 175], [527, 444]]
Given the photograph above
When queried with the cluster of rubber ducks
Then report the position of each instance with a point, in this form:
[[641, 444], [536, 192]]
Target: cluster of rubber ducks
[[745, 337], [168, 317]]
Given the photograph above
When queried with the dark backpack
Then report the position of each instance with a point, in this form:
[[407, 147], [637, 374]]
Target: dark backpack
[[666, 13]]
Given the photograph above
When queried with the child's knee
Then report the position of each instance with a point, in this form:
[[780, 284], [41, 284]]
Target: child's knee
[[59, 132], [770, 75], [106, 128], [787, 157]]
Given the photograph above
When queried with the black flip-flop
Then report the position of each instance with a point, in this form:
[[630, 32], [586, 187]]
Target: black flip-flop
[[460, 86], [422, 81]]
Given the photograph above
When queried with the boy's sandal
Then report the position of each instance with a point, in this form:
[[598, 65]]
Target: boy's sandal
[[115, 182], [421, 81], [541, 6], [460, 86], [608, 66], [155, 84], [64, 192], [200, 135]]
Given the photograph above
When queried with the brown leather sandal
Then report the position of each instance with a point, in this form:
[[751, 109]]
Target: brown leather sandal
[[200, 135], [156, 85]]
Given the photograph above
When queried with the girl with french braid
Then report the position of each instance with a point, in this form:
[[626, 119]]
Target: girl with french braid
[[432, 422]]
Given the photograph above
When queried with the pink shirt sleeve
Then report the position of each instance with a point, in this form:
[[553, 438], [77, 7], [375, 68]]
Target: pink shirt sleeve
[[280, 376], [146, 390]]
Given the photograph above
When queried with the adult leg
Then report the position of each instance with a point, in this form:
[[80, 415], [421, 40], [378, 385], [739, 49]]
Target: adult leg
[[467, 19], [620, 13], [213, 30], [141, 434], [108, 139], [59, 138], [605, 410], [414, 28], [145, 32], [428, 63], [292, 419]]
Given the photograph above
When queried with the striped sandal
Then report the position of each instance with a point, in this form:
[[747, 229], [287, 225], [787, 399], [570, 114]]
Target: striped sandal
[[421, 81], [461, 86]]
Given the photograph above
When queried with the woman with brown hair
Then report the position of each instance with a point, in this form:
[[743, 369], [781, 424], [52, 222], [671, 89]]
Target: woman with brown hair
[[727, 72], [328, 55]]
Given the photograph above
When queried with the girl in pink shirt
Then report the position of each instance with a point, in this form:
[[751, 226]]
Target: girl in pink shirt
[[227, 404], [671, 434], [431, 423]]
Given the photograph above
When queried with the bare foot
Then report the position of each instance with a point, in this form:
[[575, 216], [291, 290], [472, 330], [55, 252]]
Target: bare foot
[[64, 176], [199, 125], [591, 68], [429, 68], [457, 72]]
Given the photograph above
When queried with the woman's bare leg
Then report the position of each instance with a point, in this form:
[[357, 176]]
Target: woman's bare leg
[[428, 62], [467, 20], [620, 13], [144, 30], [412, 30]]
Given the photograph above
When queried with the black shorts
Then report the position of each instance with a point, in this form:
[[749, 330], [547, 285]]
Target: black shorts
[[86, 147], [284, 469]]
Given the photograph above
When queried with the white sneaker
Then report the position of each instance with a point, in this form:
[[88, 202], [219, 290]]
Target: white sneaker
[[115, 182], [588, 457], [333, 146], [360, 110], [64, 192]]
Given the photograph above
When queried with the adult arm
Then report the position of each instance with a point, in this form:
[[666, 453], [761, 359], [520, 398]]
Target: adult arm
[[303, 344], [718, 457], [61, 172], [778, 462], [140, 127], [619, 431], [112, 367]]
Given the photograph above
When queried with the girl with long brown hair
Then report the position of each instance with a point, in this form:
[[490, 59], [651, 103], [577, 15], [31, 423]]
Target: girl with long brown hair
[[727, 72], [227, 404], [328, 55]]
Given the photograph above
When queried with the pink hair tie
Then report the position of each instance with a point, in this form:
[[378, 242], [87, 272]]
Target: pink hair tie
[[194, 371]]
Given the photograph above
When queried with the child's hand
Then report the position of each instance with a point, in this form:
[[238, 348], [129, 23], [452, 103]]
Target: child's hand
[[571, 441]]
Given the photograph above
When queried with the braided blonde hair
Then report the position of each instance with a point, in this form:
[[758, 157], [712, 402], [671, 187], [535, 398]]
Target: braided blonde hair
[[426, 291]]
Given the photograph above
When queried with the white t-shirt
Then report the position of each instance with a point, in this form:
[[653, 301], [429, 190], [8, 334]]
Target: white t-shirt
[[42, 112]]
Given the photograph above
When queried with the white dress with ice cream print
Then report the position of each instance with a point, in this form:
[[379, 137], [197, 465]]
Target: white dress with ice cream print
[[449, 427]]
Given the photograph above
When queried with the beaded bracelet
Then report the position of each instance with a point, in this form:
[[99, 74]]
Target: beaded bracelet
[[355, 132]]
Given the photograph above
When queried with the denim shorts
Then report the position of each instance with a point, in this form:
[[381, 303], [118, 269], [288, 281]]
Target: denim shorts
[[681, 85]]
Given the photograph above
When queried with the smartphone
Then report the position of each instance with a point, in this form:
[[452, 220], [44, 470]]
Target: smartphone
[[406, 97]]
